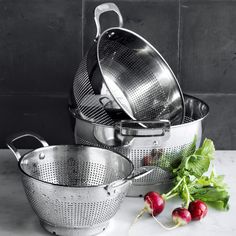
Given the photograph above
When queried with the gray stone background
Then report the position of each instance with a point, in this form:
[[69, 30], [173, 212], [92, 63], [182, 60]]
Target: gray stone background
[[42, 43]]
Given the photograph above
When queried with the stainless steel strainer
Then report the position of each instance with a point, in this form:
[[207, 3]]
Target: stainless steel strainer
[[130, 73], [74, 190], [159, 144]]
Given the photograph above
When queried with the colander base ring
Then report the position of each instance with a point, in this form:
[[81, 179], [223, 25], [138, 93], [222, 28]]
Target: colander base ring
[[66, 231]]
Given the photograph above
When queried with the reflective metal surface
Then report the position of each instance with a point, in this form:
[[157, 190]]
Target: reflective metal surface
[[130, 74], [164, 151], [74, 189], [138, 77]]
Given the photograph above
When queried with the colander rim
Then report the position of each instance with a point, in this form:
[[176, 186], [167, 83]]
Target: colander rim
[[76, 145], [76, 116]]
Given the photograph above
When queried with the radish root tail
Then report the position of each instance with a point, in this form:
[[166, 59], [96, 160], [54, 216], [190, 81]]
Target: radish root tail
[[165, 227], [140, 214]]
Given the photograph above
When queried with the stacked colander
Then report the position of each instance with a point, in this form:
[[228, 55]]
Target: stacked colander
[[127, 99]]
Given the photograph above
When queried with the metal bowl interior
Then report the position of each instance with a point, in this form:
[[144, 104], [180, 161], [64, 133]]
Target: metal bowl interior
[[75, 166], [195, 109], [65, 187], [138, 77]]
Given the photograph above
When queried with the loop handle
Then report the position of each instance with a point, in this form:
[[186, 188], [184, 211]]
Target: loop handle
[[137, 174], [18, 136], [106, 103], [141, 172], [106, 7], [151, 128]]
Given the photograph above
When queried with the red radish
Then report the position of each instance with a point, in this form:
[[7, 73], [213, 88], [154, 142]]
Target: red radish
[[181, 216], [154, 203], [198, 209]]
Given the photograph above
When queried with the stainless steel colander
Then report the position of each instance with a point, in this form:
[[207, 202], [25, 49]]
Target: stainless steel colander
[[129, 73], [74, 190], [158, 144]]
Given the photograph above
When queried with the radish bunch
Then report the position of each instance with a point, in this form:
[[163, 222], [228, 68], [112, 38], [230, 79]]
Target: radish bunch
[[154, 204], [191, 185]]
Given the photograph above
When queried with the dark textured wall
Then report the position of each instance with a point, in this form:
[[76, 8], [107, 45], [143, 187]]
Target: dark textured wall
[[42, 43]]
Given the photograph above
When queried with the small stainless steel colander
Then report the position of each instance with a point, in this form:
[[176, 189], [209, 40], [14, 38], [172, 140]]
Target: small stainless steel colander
[[74, 189]]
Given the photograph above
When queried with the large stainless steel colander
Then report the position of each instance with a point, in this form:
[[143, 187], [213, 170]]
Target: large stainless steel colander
[[125, 70], [158, 144], [74, 190]]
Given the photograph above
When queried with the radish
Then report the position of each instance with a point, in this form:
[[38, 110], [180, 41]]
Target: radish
[[181, 216], [198, 209], [154, 204]]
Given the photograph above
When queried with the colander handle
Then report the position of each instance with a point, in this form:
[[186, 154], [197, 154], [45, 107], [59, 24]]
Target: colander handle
[[18, 136], [134, 129], [105, 7], [141, 172], [138, 173]]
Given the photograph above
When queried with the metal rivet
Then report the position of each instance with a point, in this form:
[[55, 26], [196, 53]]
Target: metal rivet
[[155, 143], [41, 156]]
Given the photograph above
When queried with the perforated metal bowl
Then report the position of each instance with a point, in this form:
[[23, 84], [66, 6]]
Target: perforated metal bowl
[[74, 190], [126, 70], [159, 143]]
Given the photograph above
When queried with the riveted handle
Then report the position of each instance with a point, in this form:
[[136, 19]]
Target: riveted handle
[[106, 7], [152, 128], [21, 135]]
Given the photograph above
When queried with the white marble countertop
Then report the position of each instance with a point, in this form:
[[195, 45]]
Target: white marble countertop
[[17, 217]]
